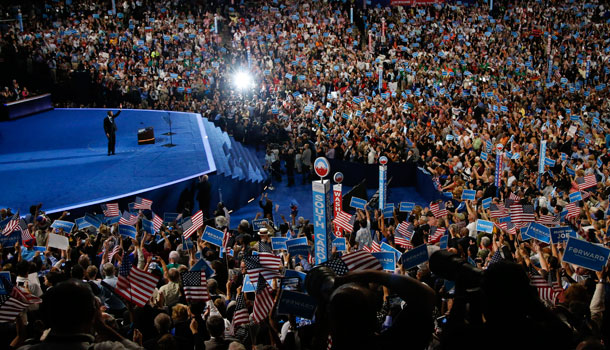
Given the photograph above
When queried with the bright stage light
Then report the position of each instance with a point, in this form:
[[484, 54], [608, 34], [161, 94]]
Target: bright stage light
[[242, 80]]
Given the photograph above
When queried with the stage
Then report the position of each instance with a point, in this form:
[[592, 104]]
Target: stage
[[59, 158]]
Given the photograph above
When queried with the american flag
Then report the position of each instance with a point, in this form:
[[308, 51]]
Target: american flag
[[438, 209], [12, 225], [403, 234], [263, 302], [128, 219], [437, 183], [240, 315], [548, 220], [266, 264], [195, 286], [111, 209], [508, 227], [573, 210], [375, 248], [113, 252], [513, 197], [24, 294], [264, 247], [521, 214], [225, 238], [586, 182], [496, 257], [10, 308], [138, 286], [545, 289], [25, 231], [192, 224], [342, 220], [436, 234], [360, 260], [157, 222], [497, 211], [142, 203]]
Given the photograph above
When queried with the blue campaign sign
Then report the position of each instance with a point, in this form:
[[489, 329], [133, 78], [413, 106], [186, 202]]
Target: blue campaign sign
[[468, 195], [260, 223], [297, 304], [387, 260], [279, 243], [388, 211], [213, 236], [296, 241], [66, 225], [407, 206], [585, 254], [414, 257], [485, 226], [575, 196], [339, 242], [148, 226], [126, 230], [94, 221], [113, 220], [11, 239], [561, 234], [486, 203], [5, 279], [82, 223], [539, 232], [444, 241], [357, 203], [388, 248], [248, 285], [170, 217], [296, 250], [295, 274]]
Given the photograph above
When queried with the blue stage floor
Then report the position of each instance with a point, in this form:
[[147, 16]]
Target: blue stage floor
[[60, 157]]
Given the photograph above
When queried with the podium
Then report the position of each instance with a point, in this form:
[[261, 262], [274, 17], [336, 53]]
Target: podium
[[146, 136]]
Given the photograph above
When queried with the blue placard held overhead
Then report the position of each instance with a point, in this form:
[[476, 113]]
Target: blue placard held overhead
[[260, 223], [575, 196], [485, 226], [387, 260], [388, 211], [297, 304], [444, 242], [213, 236], [468, 195], [388, 248], [279, 243], [561, 234], [339, 243], [128, 231], [414, 257], [407, 206], [486, 203], [585, 254], [66, 225], [148, 226], [357, 203], [539, 232]]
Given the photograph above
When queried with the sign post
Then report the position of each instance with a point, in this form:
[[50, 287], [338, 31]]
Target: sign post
[[383, 174], [337, 200], [321, 211]]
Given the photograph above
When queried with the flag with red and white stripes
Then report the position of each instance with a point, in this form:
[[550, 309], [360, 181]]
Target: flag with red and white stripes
[[342, 220], [25, 231], [111, 209], [435, 234], [545, 289], [128, 219], [192, 224], [522, 214], [438, 209], [266, 264], [137, 287], [240, 315], [403, 233], [10, 308], [157, 222], [360, 260], [573, 210], [113, 252], [548, 220], [497, 211], [12, 225], [142, 203], [375, 248], [24, 294], [195, 286], [586, 181], [263, 302]]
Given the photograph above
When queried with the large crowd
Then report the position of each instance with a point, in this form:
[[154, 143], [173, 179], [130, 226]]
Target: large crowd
[[453, 89]]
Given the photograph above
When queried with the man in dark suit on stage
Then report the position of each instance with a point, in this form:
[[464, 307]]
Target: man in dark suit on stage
[[110, 129]]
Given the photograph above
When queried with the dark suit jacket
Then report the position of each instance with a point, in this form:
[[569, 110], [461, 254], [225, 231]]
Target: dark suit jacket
[[110, 127], [217, 344]]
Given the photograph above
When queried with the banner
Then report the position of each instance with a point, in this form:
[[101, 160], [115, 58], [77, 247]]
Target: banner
[[322, 222], [414, 257], [66, 225], [387, 260], [11, 239], [337, 205], [561, 234], [213, 236], [585, 254], [279, 243], [297, 304], [126, 230], [498, 175]]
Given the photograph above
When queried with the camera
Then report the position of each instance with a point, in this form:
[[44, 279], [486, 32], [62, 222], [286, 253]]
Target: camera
[[320, 283], [451, 267]]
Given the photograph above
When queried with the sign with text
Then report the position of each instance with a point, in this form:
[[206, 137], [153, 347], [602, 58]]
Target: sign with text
[[279, 243], [414, 257], [407, 206], [486, 203], [539, 232], [485, 226], [387, 260], [388, 211], [357, 203], [296, 250], [260, 223], [148, 226], [468, 195], [10, 239], [213, 236], [585, 254], [66, 225], [561, 234], [575, 196], [128, 231], [444, 241], [297, 304], [340, 244], [388, 248]]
